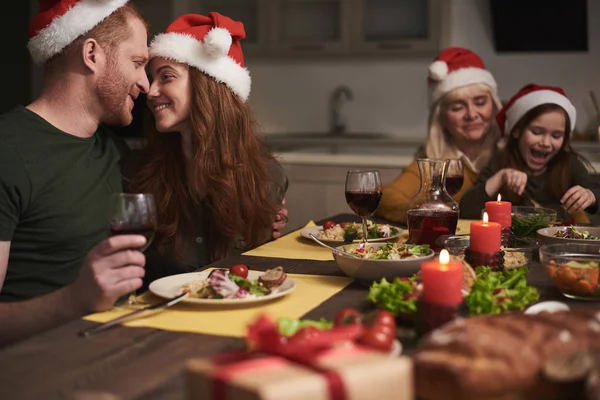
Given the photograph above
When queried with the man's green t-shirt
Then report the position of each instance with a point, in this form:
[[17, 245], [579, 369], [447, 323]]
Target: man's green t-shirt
[[54, 194]]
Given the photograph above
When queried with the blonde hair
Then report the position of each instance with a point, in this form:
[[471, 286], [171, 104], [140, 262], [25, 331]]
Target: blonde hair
[[439, 143]]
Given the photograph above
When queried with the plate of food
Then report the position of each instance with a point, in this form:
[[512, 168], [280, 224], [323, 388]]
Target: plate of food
[[222, 287], [337, 234]]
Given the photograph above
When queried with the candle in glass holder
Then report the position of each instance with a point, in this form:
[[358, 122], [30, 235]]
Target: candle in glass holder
[[485, 236], [442, 281], [500, 211]]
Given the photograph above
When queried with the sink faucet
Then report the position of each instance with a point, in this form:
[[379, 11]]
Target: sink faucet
[[337, 121]]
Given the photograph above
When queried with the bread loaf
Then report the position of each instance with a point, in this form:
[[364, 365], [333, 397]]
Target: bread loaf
[[501, 356]]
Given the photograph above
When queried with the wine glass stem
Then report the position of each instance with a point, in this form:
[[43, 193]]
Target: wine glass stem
[[365, 230]]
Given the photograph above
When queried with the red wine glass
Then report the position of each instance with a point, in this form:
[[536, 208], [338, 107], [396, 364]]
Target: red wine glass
[[455, 176], [363, 195], [133, 214]]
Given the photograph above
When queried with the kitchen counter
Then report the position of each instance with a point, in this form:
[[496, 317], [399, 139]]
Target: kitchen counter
[[353, 160]]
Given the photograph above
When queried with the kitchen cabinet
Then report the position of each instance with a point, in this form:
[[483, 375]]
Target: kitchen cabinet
[[310, 27], [397, 26], [317, 191], [320, 28]]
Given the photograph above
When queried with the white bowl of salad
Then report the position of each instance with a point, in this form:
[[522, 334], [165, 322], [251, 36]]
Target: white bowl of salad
[[382, 260], [570, 234]]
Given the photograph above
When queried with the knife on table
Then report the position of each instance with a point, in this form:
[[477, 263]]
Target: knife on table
[[127, 317]]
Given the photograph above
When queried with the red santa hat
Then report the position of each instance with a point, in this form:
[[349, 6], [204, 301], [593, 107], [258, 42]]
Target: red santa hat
[[529, 97], [59, 22], [457, 67], [210, 43]]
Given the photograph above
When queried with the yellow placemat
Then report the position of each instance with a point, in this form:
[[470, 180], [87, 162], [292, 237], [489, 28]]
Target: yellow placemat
[[311, 290], [293, 246], [464, 226]]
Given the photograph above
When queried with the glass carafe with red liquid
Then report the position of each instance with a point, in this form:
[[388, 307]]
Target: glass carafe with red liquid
[[432, 212]]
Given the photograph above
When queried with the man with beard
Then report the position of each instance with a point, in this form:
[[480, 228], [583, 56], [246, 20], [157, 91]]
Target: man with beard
[[58, 166]]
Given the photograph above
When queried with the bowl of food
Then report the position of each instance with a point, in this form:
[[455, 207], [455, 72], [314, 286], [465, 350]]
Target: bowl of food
[[573, 268], [375, 261], [526, 221], [521, 251], [569, 234]]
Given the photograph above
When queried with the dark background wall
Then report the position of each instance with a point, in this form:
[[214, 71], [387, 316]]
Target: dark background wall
[[15, 64]]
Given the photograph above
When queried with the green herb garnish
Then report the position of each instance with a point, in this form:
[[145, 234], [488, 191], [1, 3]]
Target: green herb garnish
[[497, 292], [527, 226], [288, 327], [397, 297], [253, 287]]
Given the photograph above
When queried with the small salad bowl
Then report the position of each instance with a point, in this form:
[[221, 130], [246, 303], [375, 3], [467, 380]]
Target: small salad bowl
[[369, 270], [527, 220], [574, 269]]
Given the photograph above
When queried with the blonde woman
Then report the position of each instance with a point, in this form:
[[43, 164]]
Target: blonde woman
[[463, 107]]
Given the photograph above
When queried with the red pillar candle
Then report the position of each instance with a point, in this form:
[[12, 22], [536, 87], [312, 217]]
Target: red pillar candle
[[442, 281], [500, 211], [485, 236]]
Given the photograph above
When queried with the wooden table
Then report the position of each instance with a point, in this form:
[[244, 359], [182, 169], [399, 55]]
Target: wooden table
[[143, 363]]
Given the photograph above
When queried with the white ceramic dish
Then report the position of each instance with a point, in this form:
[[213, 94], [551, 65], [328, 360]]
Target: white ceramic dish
[[170, 286], [316, 229], [367, 271], [547, 306]]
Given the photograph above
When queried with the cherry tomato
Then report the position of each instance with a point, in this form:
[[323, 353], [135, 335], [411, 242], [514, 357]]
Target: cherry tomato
[[343, 224], [347, 316], [240, 270], [304, 335], [379, 339], [385, 318], [328, 225]]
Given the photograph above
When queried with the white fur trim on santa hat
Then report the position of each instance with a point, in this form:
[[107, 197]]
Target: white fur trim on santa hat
[[531, 100], [459, 78], [188, 50], [63, 30]]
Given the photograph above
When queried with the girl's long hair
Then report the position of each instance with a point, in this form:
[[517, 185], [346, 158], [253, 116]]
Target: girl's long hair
[[229, 172], [559, 166]]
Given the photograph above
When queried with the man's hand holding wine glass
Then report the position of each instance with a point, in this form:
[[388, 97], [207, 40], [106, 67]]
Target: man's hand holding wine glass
[[111, 270]]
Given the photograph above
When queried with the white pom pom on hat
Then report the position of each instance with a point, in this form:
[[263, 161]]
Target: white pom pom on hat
[[438, 70], [217, 42]]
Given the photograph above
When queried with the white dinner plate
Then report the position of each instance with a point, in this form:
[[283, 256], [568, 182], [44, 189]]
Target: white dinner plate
[[170, 286], [316, 229]]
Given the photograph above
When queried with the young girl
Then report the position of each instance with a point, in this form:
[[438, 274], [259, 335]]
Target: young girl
[[537, 166]]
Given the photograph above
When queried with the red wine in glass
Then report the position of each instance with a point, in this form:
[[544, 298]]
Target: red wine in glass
[[148, 231], [454, 184], [133, 213], [363, 203], [363, 193], [425, 226]]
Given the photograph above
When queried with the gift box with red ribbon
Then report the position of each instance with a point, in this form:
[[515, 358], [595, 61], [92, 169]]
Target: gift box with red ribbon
[[314, 369]]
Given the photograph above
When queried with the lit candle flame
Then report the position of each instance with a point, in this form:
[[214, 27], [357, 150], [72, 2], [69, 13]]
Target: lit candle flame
[[486, 219], [499, 198], [444, 257]]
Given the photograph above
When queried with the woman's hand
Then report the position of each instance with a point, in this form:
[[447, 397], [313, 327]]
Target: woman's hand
[[280, 221], [513, 179], [577, 198]]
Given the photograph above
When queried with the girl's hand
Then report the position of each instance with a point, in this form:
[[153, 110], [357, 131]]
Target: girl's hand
[[511, 178], [577, 198], [515, 180]]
